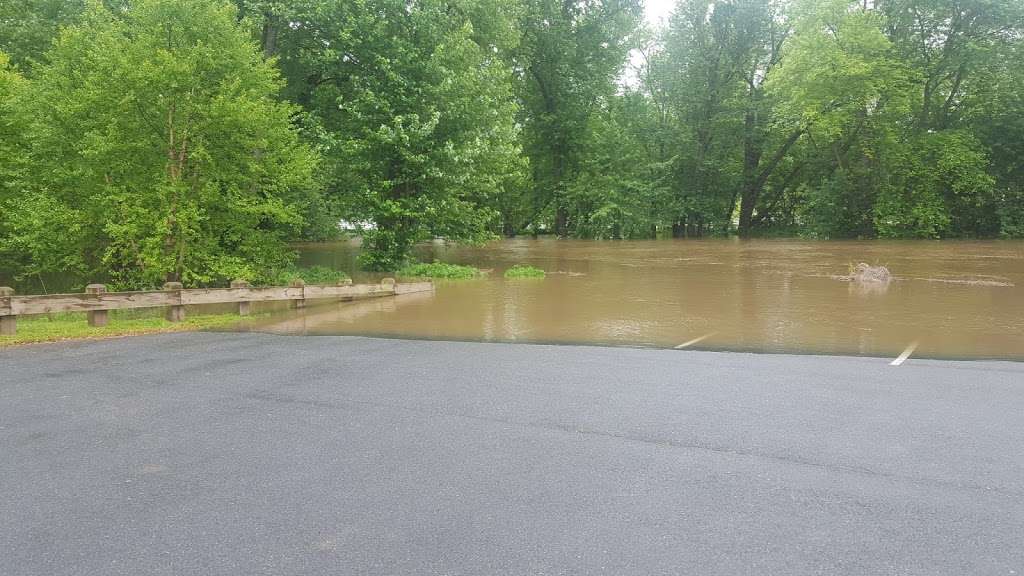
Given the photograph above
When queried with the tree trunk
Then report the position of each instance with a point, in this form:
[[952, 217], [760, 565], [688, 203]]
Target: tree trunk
[[561, 220], [751, 160], [752, 187], [268, 39], [558, 176], [678, 230]]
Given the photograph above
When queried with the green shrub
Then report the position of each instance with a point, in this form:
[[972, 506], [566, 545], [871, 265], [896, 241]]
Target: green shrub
[[311, 275], [441, 270], [523, 271], [1011, 214]]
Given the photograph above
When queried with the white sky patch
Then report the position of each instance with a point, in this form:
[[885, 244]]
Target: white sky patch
[[658, 10], [656, 13]]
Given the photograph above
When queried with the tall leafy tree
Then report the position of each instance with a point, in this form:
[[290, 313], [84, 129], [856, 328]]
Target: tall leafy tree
[[842, 84], [572, 54], [618, 192], [709, 48], [995, 113], [28, 27], [947, 42], [159, 151], [412, 105], [12, 130]]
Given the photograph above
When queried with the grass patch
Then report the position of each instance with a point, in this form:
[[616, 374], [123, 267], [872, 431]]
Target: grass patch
[[440, 270], [524, 271], [73, 326], [312, 275]]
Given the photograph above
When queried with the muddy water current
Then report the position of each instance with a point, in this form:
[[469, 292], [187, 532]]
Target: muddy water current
[[945, 300]]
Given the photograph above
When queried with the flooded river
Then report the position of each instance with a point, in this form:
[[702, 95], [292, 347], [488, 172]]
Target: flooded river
[[953, 299]]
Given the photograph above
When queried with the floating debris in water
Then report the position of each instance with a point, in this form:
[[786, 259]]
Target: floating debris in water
[[867, 274]]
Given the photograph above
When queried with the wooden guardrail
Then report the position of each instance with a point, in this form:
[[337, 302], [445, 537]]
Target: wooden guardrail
[[96, 301]]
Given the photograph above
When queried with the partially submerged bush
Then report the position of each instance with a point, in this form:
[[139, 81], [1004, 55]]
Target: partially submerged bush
[[523, 271], [441, 270], [311, 275], [867, 274]]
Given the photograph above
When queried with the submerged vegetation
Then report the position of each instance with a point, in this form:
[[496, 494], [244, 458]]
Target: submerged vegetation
[[311, 275], [440, 271], [191, 140], [524, 271], [867, 274]]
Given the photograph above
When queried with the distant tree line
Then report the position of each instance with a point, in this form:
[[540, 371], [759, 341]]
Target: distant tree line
[[191, 140]]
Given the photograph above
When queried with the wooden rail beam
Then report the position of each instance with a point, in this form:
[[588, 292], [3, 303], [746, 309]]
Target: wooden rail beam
[[96, 301], [46, 304]]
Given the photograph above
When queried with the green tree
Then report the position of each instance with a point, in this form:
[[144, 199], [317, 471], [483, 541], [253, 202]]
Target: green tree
[[843, 84], [159, 151], [716, 56], [572, 53], [620, 189], [12, 131], [947, 43], [28, 27], [992, 107], [412, 105], [938, 187]]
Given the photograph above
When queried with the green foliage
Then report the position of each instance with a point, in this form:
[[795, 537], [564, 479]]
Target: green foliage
[[837, 207], [1011, 214], [311, 275], [13, 148], [524, 271], [28, 27], [617, 193], [159, 151], [938, 185], [414, 112], [157, 140], [440, 270], [572, 52], [838, 68]]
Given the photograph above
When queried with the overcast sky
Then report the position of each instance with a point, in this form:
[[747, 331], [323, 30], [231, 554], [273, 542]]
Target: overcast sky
[[658, 10]]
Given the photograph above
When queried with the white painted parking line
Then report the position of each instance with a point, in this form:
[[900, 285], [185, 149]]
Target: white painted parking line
[[906, 354], [695, 341]]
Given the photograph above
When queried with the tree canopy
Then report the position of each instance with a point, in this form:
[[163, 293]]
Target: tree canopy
[[152, 140], [154, 149]]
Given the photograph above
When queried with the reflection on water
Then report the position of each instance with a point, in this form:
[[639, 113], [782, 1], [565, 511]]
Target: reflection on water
[[958, 299]]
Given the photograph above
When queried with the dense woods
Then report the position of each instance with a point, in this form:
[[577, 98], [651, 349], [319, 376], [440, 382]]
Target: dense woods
[[191, 140]]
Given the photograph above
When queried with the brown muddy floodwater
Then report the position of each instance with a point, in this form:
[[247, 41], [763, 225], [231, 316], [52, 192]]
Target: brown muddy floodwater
[[955, 299]]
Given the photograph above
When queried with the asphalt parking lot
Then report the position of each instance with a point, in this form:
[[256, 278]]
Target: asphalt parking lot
[[245, 454]]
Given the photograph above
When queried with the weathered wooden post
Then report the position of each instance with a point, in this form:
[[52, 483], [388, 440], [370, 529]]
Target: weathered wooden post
[[345, 297], [300, 302], [244, 308], [8, 324], [96, 318], [175, 312]]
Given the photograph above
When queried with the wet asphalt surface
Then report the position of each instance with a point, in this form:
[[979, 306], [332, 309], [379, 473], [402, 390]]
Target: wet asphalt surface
[[249, 454]]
